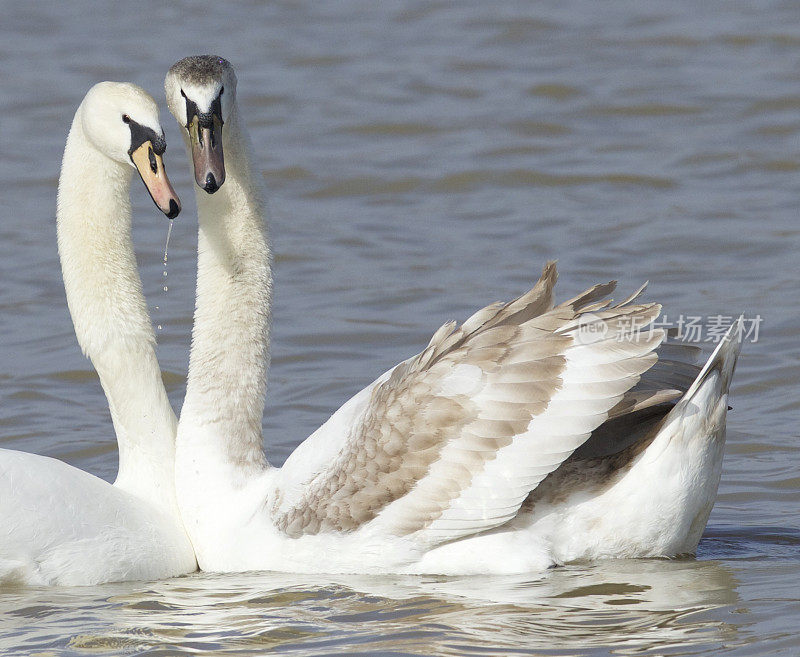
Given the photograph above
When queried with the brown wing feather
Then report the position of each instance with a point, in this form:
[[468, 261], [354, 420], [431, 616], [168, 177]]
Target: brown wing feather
[[518, 352]]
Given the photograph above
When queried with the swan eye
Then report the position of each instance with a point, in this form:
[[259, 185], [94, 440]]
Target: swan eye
[[126, 118], [183, 94]]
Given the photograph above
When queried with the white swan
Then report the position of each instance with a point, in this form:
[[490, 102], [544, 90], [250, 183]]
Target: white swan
[[528, 436], [58, 524]]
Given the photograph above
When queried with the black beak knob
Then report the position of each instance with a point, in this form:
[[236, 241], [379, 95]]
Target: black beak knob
[[211, 184], [174, 210]]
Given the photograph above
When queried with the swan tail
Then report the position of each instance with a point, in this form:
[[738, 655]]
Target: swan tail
[[722, 362], [699, 415], [689, 446]]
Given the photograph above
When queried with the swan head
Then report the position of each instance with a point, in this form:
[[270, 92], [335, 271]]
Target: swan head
[[200, 94], [121, 121]]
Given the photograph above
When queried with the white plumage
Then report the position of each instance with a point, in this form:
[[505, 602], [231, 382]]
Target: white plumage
[[58, 524]]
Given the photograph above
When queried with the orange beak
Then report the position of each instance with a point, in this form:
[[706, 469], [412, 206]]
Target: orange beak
[[154, 176]]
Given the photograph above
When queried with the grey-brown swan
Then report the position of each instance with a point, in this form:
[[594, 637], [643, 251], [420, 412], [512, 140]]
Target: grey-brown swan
[[532, 434]]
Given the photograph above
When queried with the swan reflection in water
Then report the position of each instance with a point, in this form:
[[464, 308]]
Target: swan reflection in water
[[629, 605]]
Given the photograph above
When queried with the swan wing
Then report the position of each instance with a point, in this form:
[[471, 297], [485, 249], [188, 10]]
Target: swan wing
[[450, 442]]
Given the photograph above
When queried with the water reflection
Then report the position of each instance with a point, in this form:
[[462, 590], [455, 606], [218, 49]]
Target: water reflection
[[628, 605]]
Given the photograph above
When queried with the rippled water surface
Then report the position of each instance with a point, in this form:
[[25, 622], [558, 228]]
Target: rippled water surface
[[424, 159]]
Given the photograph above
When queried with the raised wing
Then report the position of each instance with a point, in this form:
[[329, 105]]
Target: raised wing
[[451, 441]]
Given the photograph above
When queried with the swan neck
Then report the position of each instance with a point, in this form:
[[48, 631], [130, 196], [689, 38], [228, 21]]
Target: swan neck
[[109, 312], [229, 360]]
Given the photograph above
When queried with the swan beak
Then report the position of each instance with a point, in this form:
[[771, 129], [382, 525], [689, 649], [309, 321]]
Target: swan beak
[[207, 156], [150, 166]]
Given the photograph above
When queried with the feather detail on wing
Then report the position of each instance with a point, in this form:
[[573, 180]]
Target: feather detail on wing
[[649, 401], [452, 441]]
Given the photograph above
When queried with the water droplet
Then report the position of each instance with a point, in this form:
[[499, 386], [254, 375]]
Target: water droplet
[[166, 244], [164, 261]]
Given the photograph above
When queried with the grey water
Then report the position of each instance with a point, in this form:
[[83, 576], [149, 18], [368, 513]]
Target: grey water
[[423, 159]]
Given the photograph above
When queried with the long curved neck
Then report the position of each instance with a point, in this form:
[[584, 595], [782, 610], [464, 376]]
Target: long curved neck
[[108, 309], [222, 412]]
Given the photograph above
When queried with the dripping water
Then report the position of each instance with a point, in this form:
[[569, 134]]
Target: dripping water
[[164, 286]]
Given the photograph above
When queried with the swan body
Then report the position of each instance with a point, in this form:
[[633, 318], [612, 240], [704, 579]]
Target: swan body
[[58, 524], [64, 526], [532, 434]]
